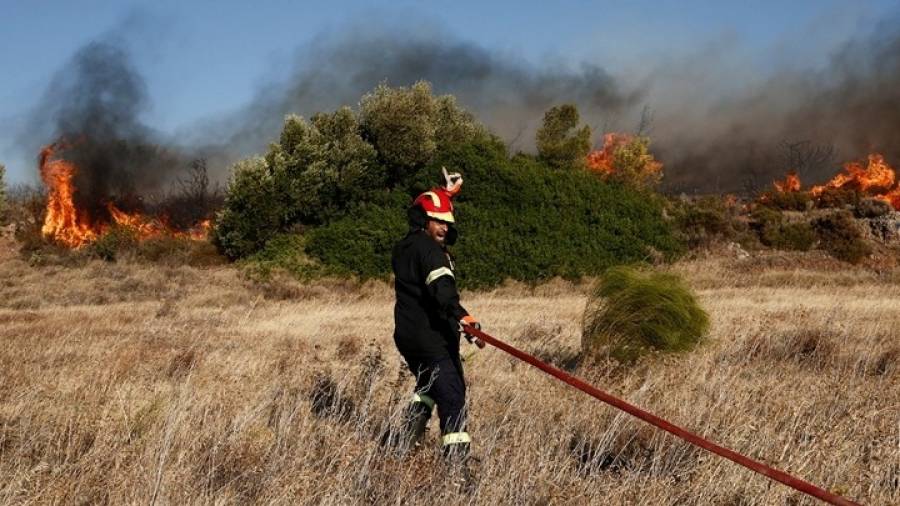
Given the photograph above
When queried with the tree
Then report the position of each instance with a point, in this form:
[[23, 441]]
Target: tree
[[560, 142], [324, 165], [806, 158], [409, 126], [255, 209], [400, 124], [316, 172], [635, 166]]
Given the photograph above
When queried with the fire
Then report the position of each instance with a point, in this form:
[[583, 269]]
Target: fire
[[75, 228], [892, 197], [877, 175], [603, 161], [63, 221], [875, 178], [790, 184]]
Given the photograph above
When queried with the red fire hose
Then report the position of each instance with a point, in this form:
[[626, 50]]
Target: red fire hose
[[759, 467]]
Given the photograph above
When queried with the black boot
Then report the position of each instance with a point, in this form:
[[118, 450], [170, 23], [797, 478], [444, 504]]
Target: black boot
[[416, 424]]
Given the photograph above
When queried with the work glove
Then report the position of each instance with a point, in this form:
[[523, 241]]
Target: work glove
[[471, 322], [452, 182]]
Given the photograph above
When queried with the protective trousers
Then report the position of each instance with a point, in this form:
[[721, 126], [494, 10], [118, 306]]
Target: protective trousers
[[441, 383]]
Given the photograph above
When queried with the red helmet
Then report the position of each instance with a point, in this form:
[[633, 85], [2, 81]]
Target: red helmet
[[436, 204]]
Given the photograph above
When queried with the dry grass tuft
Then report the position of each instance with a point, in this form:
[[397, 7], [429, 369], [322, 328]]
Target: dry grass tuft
[[811, 347]]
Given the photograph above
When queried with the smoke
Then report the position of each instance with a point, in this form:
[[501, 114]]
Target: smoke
[[802, 118], [93, 107], [507, 94], [714, 123]]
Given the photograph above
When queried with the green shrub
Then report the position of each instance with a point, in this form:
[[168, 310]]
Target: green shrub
[[560, 143], [322, 169], [775, 232], [701, 222], [798, 236], [360, 243], [113, 242], [632, 312], [256, 208], [284, 252], [519, 218], [840, 236], [838, 198], [787, 201]]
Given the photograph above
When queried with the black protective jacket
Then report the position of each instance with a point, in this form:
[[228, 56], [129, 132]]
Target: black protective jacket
[[427, 311]]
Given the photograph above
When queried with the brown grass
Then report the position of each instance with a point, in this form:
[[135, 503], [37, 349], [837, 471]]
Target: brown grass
[[129, 383]]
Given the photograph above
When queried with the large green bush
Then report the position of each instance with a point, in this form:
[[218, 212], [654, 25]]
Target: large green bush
[[841, 237], [532, 223], [517, 219], [360, 243], [344, 182], [631, 313]]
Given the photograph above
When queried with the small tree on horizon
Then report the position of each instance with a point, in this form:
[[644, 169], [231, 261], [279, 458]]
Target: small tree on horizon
[[560, 143]]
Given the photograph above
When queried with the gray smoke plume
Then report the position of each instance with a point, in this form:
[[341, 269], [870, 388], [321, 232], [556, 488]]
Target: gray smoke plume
[[803, 119], [719, 135], [712, 130], [508, 95]]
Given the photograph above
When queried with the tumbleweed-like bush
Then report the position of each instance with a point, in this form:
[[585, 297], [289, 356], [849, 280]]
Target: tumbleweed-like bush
[[633, 312]]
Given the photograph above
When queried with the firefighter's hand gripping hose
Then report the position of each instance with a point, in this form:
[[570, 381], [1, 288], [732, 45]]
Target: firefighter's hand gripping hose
[[759, 467]]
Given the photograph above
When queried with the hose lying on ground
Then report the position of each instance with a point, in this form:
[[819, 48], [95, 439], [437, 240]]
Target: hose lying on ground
[[694, 439]]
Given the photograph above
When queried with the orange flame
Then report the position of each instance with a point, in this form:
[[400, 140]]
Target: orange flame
[[602, 161], [876, 179], [790, 184], [877, 175], [72, 227], [63, 221], [892, 197]]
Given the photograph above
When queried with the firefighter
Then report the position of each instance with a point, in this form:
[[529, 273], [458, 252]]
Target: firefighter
[[428, 319]]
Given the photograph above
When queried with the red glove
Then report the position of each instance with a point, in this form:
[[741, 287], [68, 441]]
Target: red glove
[[471, 322]]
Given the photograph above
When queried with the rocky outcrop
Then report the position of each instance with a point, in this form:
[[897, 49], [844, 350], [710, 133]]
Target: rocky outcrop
[[885, 228]]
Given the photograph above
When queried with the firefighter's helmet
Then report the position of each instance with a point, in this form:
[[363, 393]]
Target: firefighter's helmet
[[436, 204]]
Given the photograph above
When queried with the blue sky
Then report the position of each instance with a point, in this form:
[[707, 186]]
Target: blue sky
[[202, 59]]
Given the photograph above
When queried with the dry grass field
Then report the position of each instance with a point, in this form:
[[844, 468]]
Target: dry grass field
[[133, 383]]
